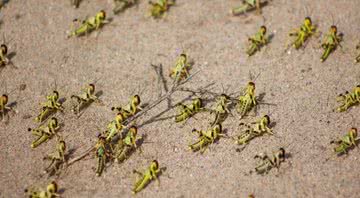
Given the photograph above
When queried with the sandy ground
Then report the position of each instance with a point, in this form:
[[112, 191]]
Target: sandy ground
[[303, 89]]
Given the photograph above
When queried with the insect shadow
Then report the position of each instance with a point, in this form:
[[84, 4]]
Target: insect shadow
[[61, 190], [11, 55], [70, 153], [270, 37], [272, 124]]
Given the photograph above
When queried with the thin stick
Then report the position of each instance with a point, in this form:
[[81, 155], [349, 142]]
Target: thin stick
[[87, 152]]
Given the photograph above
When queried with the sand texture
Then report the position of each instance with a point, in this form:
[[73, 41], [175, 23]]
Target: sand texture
[[119, 59]]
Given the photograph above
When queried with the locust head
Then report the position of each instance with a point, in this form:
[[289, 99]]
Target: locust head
[[281, 154], [133, 131], [119, 118], [353, 132], [4, 49], [136, 100], [197, 103], [101, 15], [53, 122], [266, 120], [56, 95], [91, 88], [52, 187], [4, 99], [154, 165], [307, 22], [333, 29], [263, 30]]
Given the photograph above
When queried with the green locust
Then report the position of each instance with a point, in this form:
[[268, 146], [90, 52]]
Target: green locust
[[306, 30], [330, 42], [187, 111], [57, 158], [152, 173], [49, 107], [160, 7], [257, 41], [221, 109], [125, 146], [254, 129], [248, 5], [248, 100], [90, 24], [114, 127], [348, 99], [266, 163], [4, 99], [181, 69], [4, 60], [101, 153], [131, 109], [51, 192], [357, 59], [205, 138], [346, 142], [121, 5], [84, 99], [44, 133]]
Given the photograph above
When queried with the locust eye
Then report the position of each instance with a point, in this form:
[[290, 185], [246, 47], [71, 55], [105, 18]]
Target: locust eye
[[308, 19], [183, 55]]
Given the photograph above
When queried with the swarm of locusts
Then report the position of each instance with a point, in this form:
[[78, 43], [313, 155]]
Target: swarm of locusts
[[119, 139]]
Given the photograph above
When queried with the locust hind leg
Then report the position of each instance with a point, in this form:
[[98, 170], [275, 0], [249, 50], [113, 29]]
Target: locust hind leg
[[326, 53], [43, 138]]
